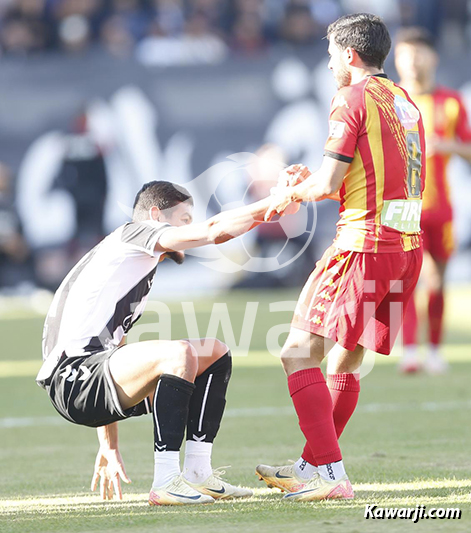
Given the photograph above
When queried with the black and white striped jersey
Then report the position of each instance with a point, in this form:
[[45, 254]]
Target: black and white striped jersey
[[102, 296]]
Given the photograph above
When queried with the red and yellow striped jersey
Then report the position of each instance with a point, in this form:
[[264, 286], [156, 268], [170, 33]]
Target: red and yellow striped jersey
[[375, 126], [444, 116]]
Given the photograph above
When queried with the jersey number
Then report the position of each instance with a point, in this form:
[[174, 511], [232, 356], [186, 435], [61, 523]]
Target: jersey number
[[414, 164]]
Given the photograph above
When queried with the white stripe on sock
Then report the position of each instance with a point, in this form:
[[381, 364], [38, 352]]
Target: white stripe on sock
[[147, 405], [205, 398], [155, 412]]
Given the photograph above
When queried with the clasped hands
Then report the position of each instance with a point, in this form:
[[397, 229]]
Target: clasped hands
[[282, 201]]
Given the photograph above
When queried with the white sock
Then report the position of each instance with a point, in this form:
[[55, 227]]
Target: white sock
[[332, 471], [303, 469], [410, 352], [434, 351], [197, 467], [166, 467]]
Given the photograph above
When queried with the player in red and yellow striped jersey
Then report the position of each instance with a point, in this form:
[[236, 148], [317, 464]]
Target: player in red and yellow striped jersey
[[448, 133], [354, 299], [375, 127]]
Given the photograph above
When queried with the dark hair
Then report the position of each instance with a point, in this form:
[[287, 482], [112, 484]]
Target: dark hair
[[162, 194], [366, 34], [415, 35]]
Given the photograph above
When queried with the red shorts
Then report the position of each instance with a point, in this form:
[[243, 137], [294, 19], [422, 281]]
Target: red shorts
[[358, 298], [437, 236]]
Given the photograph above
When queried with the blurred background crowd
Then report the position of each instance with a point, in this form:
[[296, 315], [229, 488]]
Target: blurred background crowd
[[100, 96], [148, 27]]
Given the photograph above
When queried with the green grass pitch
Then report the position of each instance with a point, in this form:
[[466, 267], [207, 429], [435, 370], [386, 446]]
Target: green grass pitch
[[407, 444]]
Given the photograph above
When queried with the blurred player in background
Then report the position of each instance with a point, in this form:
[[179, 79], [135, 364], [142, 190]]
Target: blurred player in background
[[373, 164], [448, 133], [16, 262]]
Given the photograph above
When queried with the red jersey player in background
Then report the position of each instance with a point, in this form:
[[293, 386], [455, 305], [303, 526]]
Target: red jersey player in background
[[355, 297], [447, 133]]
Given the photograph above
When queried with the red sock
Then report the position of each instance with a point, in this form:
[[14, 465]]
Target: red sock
[[409, 325], [436, 305], [313, 404], [344, 390], [308, 456]]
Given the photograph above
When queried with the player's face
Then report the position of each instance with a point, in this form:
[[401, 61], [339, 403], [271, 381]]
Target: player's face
[[338, 66], [416, 62], [180, 215]]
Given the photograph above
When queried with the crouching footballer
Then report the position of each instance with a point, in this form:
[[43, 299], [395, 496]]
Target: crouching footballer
[[94, 379]]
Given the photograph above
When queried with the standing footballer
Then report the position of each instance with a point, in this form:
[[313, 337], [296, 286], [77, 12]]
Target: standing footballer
[[448, 133], [354, 300]]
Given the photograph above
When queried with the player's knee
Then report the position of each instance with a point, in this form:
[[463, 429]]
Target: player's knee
[[435, 284], [289, 359], [299, 354], [220, 348], [438, 285], [294, 350], [184, 361], [285, 363]]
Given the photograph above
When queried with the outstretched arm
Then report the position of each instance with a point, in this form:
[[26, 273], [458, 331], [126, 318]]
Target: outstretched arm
[[216, 230], [109, 466]]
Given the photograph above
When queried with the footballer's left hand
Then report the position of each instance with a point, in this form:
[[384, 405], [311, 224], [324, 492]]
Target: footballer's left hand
[[292, 175], [109, 469]]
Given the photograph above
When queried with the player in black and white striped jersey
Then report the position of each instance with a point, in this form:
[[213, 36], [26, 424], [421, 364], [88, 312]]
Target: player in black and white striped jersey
[[94, 379]]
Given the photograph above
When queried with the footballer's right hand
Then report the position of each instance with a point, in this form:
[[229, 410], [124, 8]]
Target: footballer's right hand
[[109, 469], [292, 175]]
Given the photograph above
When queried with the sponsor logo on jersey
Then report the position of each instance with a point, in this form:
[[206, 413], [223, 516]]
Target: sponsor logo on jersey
[[402, 215], [407, 113], [336, 129]]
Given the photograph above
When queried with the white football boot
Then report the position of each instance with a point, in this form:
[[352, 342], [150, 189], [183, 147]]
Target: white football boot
[[219, 489], [318, 488], [410, 363], [177, 492], [281, 477], [435, 363]]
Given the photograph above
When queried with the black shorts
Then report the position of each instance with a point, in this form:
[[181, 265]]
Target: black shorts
[[83, 392]]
